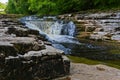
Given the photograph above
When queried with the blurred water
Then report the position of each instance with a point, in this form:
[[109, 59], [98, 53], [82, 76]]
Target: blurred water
[[56, 31]]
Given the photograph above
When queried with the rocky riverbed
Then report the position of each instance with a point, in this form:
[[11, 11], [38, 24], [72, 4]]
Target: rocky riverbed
[[26, 55], [97, 26], [102, 29], [99, 31]]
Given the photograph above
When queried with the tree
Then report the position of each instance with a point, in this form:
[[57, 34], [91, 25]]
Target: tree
[[18, 6], [46, 7], [53, 7]]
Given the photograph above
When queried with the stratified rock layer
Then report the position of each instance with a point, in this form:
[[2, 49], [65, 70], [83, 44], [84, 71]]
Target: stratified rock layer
[[96, 26], [24, 55]]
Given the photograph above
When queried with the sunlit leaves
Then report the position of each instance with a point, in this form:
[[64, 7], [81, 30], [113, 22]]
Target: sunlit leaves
[[2, 6], [53, 7]]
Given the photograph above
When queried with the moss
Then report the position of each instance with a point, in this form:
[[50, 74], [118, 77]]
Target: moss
[[115, 64], [114, 51], [83, 60]]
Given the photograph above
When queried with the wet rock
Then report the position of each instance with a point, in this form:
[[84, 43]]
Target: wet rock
[[34, 32], [47, 43], [20, 32], [117, 29], [7, 49], [22, 48]]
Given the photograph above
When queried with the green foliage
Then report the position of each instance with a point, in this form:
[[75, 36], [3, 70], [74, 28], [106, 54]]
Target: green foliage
[[2, 6], [46, 7], [18, 7], [52, 7], [11, 7], [103, 4]]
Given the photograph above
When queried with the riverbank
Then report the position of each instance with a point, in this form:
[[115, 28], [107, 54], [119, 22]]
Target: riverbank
[[93, 72], [100, 31], [80, 71], [111, 48]]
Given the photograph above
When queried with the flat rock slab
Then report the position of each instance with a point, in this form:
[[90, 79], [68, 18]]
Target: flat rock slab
[[18, 44], [17, 39], [93, 72], [49, 50]]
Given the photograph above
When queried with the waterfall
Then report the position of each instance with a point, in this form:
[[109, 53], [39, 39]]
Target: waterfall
[[54, 27], [56, 31]]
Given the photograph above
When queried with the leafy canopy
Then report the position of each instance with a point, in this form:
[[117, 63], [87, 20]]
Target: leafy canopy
[[53, 7]]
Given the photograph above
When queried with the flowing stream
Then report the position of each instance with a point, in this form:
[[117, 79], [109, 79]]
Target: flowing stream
[[59, 33], [62, 36]]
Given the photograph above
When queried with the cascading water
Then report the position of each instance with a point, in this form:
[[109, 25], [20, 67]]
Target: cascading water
[[59, 33]]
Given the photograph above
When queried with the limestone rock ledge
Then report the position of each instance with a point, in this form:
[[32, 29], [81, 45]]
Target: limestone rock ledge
[[26, 55], [34, 65]]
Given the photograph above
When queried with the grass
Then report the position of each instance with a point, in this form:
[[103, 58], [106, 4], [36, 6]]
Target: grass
[[115, 51], [82, 60], [74, 59], [113, 47], [115, 64]]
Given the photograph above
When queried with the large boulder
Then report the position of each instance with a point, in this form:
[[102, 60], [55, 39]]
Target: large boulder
[[35, 65]]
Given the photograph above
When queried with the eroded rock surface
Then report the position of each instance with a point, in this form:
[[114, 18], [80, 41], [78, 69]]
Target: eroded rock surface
[[93, 72], [26, 55], [97, 26]]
